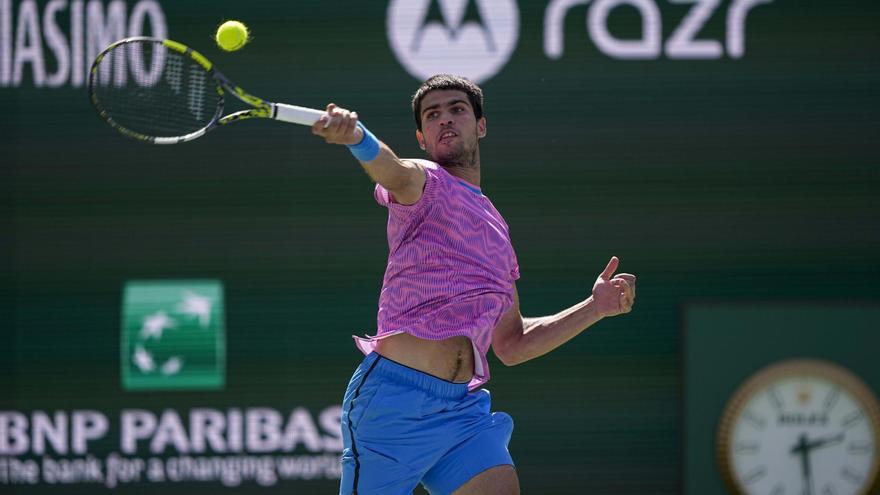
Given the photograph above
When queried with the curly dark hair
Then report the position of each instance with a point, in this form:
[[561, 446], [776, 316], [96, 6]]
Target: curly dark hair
[[447, 81]]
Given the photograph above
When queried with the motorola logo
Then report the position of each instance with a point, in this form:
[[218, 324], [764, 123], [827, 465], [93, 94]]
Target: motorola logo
[[472, 38]]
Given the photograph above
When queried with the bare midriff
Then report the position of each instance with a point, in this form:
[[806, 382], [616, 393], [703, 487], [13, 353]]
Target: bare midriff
[[450, 359]]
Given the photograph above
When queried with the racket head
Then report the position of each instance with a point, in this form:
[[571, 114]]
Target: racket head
[[156, 91]]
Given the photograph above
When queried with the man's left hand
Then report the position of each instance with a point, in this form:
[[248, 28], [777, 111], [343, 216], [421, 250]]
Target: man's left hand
[[615, 294]]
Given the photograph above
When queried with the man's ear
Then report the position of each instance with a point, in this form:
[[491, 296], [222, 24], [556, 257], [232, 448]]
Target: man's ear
[[481, 127], [421, 139]]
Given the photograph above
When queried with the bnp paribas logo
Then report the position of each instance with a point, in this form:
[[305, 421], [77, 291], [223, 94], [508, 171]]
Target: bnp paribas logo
[[471, 38], [173, 335]]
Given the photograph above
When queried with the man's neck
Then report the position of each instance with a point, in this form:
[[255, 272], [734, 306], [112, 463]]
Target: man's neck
[[469, 171], [467, 174]]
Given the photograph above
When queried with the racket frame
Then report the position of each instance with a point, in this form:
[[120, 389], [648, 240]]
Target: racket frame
[[261, 108]]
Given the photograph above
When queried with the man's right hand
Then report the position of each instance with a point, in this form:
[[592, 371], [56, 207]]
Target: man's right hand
[[339, 126]]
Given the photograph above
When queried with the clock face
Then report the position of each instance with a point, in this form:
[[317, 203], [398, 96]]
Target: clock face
[[802, 427]]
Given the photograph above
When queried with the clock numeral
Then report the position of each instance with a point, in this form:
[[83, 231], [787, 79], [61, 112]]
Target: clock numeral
[[746, 448], [859, 448], [851, 475], [754, 420], [776, 399], [852, 419], [831, 400], [754, 475]]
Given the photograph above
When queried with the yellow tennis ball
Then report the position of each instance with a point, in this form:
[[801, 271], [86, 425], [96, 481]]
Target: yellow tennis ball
[[232, 35]]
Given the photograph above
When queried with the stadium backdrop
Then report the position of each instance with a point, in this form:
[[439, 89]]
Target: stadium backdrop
[[747, 176]]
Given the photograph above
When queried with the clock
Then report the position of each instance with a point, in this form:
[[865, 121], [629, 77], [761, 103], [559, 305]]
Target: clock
[[801, 427]]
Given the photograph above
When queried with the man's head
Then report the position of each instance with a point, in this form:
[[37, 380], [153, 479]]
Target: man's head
[[449, 119], [448, 81]]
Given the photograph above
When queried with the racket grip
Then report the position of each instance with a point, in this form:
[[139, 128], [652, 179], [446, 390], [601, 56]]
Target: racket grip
[[295, 114]]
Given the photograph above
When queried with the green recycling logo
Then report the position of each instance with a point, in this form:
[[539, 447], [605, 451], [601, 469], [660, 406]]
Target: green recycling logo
[[173, 335]]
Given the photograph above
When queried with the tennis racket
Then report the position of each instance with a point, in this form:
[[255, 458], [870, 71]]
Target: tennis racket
[[163, 92]]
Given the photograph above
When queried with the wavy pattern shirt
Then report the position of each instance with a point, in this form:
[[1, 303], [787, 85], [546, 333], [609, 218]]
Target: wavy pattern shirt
[[451, 267]]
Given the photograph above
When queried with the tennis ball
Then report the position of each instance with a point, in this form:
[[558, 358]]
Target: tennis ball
[[232, 35]]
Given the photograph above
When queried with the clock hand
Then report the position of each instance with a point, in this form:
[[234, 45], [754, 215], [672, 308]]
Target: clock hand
[[822, 442], [802, 448]]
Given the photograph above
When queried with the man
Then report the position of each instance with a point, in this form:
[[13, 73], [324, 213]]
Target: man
[[414, 411]]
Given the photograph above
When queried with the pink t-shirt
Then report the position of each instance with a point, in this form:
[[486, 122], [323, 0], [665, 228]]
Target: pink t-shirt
[[451, 267]]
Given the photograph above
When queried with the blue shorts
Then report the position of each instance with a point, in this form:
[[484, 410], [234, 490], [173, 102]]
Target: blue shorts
[[402, 427]]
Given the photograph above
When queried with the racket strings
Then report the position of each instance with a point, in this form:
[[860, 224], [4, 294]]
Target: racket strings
[[146, 88]]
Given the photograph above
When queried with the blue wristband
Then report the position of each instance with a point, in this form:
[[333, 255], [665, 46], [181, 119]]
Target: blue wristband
[[368, 149]]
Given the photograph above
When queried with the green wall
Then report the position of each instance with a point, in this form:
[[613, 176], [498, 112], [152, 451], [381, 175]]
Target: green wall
[[751, 179]]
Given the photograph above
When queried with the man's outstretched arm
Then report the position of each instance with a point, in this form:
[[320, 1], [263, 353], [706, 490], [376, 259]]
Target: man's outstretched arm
[[405, 180], [516, 339]]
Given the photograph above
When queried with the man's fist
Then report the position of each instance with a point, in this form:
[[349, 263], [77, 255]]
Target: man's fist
[[338, 126], [614, 295]]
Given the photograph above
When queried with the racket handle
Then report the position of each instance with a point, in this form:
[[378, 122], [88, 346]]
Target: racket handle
[[295, 114]]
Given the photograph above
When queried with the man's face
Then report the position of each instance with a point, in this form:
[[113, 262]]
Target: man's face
[[450, 131]]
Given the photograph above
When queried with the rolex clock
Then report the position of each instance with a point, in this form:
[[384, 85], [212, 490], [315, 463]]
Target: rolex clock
[[801, 427]]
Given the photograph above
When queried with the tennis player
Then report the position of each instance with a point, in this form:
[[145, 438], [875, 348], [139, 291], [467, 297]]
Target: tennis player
[[414, 411]]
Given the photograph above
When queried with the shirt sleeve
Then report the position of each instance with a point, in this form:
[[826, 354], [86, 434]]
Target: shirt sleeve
[[435, 181]]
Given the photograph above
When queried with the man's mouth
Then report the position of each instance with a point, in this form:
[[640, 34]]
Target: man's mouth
[[446, 136]]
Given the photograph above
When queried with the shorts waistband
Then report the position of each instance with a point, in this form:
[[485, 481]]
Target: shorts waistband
[[400, 373]]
